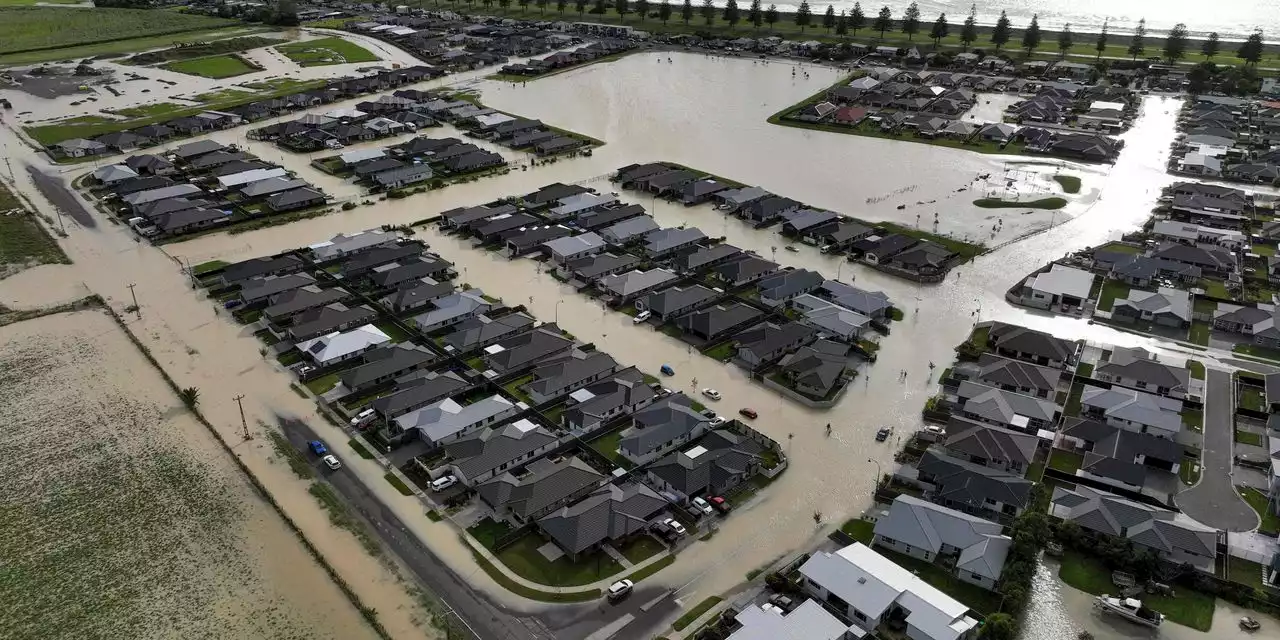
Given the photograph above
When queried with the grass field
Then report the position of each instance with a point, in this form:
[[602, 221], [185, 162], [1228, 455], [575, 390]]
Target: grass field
[[23, 242], [36, 28], [314, 53], [1042, 203], [222, 95], [148, 110], [1070, 184], [223, 66]]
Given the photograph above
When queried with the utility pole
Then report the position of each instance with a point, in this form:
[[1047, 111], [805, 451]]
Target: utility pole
[[243, 423], [190, 272], [136, 309]]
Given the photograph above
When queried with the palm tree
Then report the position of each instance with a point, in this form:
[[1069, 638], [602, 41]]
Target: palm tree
[[190, 397]]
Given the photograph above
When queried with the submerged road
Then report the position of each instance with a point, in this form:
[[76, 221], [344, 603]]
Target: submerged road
[[485, 619]]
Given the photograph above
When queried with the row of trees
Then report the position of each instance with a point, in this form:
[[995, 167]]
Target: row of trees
[[1175, 48]]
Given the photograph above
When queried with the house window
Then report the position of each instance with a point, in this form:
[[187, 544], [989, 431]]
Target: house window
[[1009, 509], [859, 616]]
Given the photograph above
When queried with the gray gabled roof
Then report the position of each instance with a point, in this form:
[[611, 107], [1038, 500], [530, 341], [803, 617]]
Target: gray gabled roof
[[1039, 343], [1135, 406], [527, 348], [412, 292], [545, 483], [610, 513], [990, 442], [929, 526], [261, 288], [716, 458], [593, 266], [308, 297], [1138, 364], [259, 266], [599, 399], [570, 371], [678, 298], [712, 321], [868, 303], [706, 255], [661, 240], [787, 283], [482, 329], [970, 484], [419, 391], [998, 370], [390, 359], [661, 423], [320, 320], [1005, 406], [492, 448], [1160, 529]]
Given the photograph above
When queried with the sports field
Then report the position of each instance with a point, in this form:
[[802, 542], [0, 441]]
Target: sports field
[[224, 66], [322, 51]]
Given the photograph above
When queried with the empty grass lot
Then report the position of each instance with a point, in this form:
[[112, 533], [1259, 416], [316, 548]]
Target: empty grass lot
[[43, 28], [224, 66], [323, 51], [1070, 184], [22, 240]]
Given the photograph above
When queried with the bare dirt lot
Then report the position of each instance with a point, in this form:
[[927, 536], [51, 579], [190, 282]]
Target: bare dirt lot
[[121, 517]]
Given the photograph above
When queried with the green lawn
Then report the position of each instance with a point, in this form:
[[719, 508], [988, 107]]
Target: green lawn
[[607, 446], [1199, 333], [1264, 250], [223, 66], [392, 330], [398, 484], [1193, 419], [149, 110], [972, 596], [1251, 398], [519, 589], [1214, 288], [1084, 370], [640, 548], [861, 530], [206, 267], [1258, 500], [1042, 203], [1065, 461], [1112, 290], [696, 612], [324, 51], [1245, 572], [1119, 247], [523, 558], [222, 94], [1189, 470], [487, 531], [22, 238], [1257, 351], [1036, 471], [360, 449], [1070, 184], [514, 389], [25, 29], [1244, 437], [1188, 608], [722, 351], [324, 383], [1204, 305], [652, 568], [1072, 407]]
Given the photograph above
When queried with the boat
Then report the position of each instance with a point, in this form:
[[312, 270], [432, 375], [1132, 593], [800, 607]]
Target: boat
[[1130, 609], [1249, 624]]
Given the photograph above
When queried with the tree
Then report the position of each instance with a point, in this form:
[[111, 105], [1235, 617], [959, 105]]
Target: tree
[[939, 30], [1138, 44], [969, 32], [190, 397], [581, 6], [1100, 44], [524, 5], [829, 18], [842, 25], [884, 20], [501, 3], [731, 14], [1211, 46], [708, 11], [561, 5], [1251, 49], [1031, 37], [803, 15], [542, 6], [623, 7], [664, 11], [755, 15], [1001, 32], [998, 626], [911, 20], [686, 11], [771, 16], [1175, 45], [857, 19], [1065, 40], [642, 9]]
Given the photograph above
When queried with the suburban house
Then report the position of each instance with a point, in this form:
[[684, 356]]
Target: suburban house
[[1133, 410], [720, 461], [873, 304], [386, 363], [663, 242], [1007, 409], [990, 446], [677, 301], [525, 350], [743, 272], [239, 272], [418, 390], [1167, 307], [1258, 322], [629, 230], [1033, 346], [446, 420], [543, 486], [1139, 369], [809, 621], [768, 342], [661, 427], [416, 294], [342, 346], [282, 307], [1011, 375], [327, 319], [869, 590], [346, 245], [1060, 286], [831, 319], [593, 268], [625, 287], [485, 454], [564, 250], [713, 323], [817, 369], [612, 513], [974, 549], [592, 406], [705, 257], [1175, 537], [982, 491], [1213, 261], [550, 194], [453, 309], [1122, 458], [782, 287], [559, 377], [482, 331], [530, 239]]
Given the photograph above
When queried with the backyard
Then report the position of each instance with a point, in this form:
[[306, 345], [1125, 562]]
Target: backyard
[[223, 66], [323, 51], [523, 558], [607, 446], [1251, 398], [1188, 608], [1111, 291], [1065, 461]]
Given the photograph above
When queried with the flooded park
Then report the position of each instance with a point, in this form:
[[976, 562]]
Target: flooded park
[[708, 113]]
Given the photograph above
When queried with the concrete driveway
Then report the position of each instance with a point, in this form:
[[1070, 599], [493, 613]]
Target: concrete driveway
[[1214, 501]]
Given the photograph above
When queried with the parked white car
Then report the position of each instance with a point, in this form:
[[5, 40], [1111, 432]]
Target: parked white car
[[641, 317], [619, 590], [772, 608], [711, 393], [443, 482], [703, 506], [675, 526], [332, 462], [362, 418], [718, 420]]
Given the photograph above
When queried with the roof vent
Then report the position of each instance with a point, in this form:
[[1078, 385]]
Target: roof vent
[[862, 580]]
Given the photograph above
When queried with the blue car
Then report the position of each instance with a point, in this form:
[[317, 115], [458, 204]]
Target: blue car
[[667, 370], [233, 303], [317, 447]]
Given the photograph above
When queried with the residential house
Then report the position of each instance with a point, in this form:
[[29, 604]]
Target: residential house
[[1176, 538], [1032, 346], [385, 364], [972, 488], [873, 304], [719, 462], [578, 204], [565, 375], [869, 589], [767, 343], [465, 218], [415, 294], [526, 350], [529, 239], [1167, 307], [625, 287], [1012, 375], [1006, 408], [1258, 322], [452, 309], [609, 216], [80, 148], [258, 291], [671, 303], [1122, 458], [743, 272], [784, 287], [408, 271], [990, 446], [418, 390], [663, 242], [661, 427], [284, 306], [544, 486], [484, 454], [593, 268], [590, 407], [815, 370], [714, 323], [564, 250], [239, 272], [111, 174], [334, 316], [613, 513], [1139, 369], [629, 230], [968, 546], [294, 199], [701, 258], [1213, 261], [444, 421], [551, 194], [1060, 286], [482, 331], [1133, 410], [341, 346]]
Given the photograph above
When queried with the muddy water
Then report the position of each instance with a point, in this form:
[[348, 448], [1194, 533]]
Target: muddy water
[[708, 113]]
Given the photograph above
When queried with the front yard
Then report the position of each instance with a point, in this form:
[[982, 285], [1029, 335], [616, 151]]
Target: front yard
[[1257, 351], [640, 548], [861, 530], [1251, 398], [1188, 608], [607, 446], [324, 383], [1111, 291], [722, 351], [1199, 333], [523, 558], [1258, 500]]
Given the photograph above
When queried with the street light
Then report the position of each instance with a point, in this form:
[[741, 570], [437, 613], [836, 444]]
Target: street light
[[879, 473], [557, 311]]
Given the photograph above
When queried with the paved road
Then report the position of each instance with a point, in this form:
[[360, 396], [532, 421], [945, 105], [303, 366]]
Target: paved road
[[487, 620], [1214, 501], [55, 189]]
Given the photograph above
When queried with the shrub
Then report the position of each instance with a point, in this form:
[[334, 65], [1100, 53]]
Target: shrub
[[347, 206]]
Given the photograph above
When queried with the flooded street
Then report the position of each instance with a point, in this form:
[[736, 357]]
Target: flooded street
[[707, 113]]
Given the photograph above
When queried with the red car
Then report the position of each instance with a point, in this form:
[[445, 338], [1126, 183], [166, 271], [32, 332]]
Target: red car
[[750, 413], [720, 504]]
